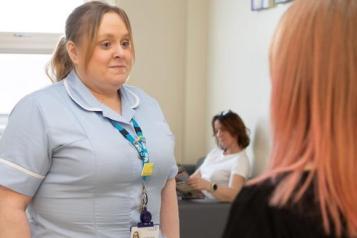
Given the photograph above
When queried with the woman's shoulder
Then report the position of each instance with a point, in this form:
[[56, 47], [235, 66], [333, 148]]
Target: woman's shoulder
[[249, 211], [40, 96], [214, 154], [262, 192], [258, 193], [240, 155], [241, 164], [252, 215]]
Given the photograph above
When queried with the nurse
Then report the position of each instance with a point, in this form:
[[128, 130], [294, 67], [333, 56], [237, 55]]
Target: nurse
[[89, 156]]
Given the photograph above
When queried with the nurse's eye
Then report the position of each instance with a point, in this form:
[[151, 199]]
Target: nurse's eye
[[105, 44], [125, 44]]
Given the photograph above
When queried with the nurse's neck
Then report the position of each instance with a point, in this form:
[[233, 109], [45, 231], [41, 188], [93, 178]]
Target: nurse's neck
[[110, 99], [104, 93]]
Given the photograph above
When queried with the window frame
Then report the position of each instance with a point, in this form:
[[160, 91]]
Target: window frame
[[28, 42], [33, 42]]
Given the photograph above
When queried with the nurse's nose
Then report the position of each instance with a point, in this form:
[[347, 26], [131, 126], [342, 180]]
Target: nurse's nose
[[119, 51]]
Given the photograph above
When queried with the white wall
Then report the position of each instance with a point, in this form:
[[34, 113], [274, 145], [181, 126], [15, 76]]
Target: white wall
[[171, 42], [195, 92], [238, 75], [201, 57], [159, 29]]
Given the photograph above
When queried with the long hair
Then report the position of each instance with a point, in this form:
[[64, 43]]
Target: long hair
[[232, 122], [82, 23], [313, 65]]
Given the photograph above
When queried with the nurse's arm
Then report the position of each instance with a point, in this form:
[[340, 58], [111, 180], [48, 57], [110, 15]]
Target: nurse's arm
[[169, 218], [13, 220]]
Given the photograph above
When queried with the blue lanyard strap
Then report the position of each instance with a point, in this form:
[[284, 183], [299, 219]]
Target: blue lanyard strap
[[137, 129], [140, 145], [138, 142]]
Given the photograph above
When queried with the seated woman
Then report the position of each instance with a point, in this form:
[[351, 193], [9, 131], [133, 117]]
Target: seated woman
[[225, 169]]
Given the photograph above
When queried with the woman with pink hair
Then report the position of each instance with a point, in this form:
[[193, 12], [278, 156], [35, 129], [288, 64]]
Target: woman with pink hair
[[310, 189]]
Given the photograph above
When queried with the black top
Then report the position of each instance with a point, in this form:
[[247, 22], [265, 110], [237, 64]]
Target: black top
[[252, 216]]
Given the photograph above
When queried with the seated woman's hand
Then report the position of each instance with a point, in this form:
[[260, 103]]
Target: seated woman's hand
[[199, 183]]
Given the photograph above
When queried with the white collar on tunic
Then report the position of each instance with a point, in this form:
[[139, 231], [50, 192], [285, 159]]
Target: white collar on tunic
[[82, 96]]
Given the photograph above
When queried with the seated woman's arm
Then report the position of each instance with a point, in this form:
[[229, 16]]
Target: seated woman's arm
[[223, 193], [228, 193], [13, 221], [197, 174]]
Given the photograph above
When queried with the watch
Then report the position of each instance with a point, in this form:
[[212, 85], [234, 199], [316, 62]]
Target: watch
[[214, 187]]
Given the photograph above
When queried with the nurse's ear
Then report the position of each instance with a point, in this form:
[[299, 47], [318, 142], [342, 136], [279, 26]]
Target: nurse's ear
[[73, 52]]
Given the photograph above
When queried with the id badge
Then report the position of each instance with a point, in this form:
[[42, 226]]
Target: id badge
[[145, 232], [148, 169]]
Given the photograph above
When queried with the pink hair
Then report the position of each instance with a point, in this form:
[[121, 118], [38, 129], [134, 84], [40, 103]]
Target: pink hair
[[313, 63]]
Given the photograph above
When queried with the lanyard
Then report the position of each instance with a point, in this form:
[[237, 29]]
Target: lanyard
[[139, 143]]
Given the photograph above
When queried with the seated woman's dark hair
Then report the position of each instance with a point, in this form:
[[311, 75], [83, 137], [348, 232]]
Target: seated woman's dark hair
[[232, 122]]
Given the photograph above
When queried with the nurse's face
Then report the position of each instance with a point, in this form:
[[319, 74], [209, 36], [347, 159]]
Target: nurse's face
[[112, 59]]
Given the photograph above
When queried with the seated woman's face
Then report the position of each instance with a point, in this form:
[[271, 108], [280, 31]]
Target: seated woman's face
[[224, 138]]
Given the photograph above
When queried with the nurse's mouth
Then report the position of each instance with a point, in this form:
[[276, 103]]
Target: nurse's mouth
[[117, 66]]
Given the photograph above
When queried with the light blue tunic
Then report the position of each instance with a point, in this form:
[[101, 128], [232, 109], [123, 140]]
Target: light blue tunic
[[60, 147]]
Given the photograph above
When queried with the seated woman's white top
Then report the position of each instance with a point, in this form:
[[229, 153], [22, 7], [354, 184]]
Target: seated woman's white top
[[219, 168]]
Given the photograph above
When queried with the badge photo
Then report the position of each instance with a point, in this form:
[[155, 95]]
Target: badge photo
[[145, 232]]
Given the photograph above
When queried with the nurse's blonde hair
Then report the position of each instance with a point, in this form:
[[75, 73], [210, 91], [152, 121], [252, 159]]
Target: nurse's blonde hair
[[82, 23]]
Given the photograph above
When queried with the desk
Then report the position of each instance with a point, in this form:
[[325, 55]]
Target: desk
[[202, 219]]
